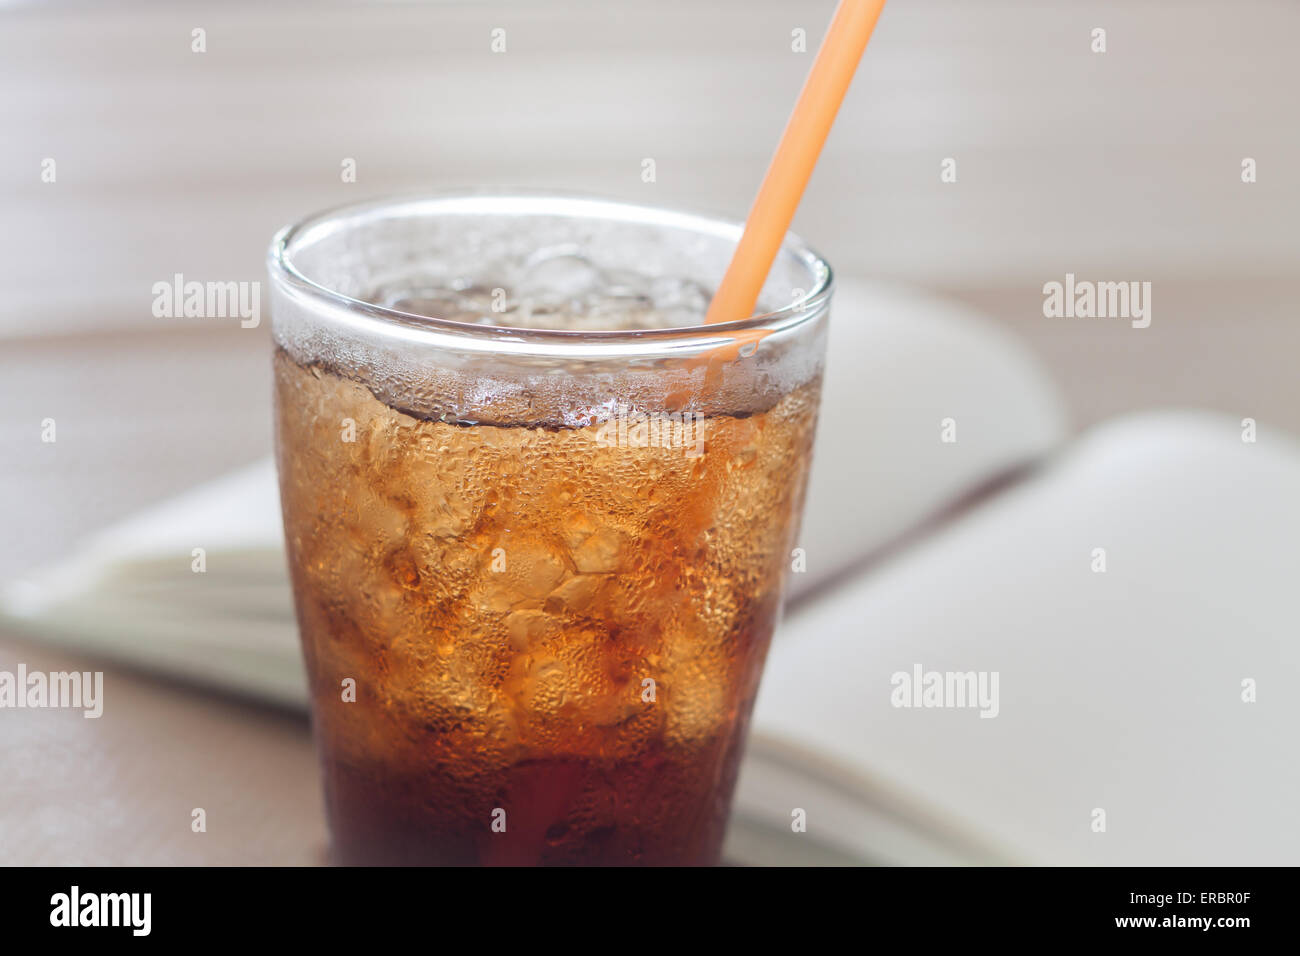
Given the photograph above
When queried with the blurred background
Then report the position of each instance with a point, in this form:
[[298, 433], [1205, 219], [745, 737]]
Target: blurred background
[[1118, 165], [1122, 165]]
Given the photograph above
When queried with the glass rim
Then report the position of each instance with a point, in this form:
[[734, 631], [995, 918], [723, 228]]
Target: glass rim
[[525, 202]]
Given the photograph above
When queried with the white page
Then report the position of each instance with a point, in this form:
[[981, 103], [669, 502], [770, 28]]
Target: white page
[[1118, 690], [899, 365]]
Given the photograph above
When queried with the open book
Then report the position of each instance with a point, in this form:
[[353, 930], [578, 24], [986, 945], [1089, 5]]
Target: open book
[[1118, 689], [1137, 599]]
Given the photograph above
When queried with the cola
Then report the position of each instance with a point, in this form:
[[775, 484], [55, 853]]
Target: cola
[[535, 570], [549, 629]]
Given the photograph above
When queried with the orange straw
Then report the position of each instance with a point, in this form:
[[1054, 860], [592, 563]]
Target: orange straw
[[796, 155]]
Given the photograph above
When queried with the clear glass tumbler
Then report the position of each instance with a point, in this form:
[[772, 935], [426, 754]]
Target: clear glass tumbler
[[536, 570]]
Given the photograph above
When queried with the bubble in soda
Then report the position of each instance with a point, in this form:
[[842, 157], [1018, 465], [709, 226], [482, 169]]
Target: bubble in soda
[[555, 288], [555, 631]]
